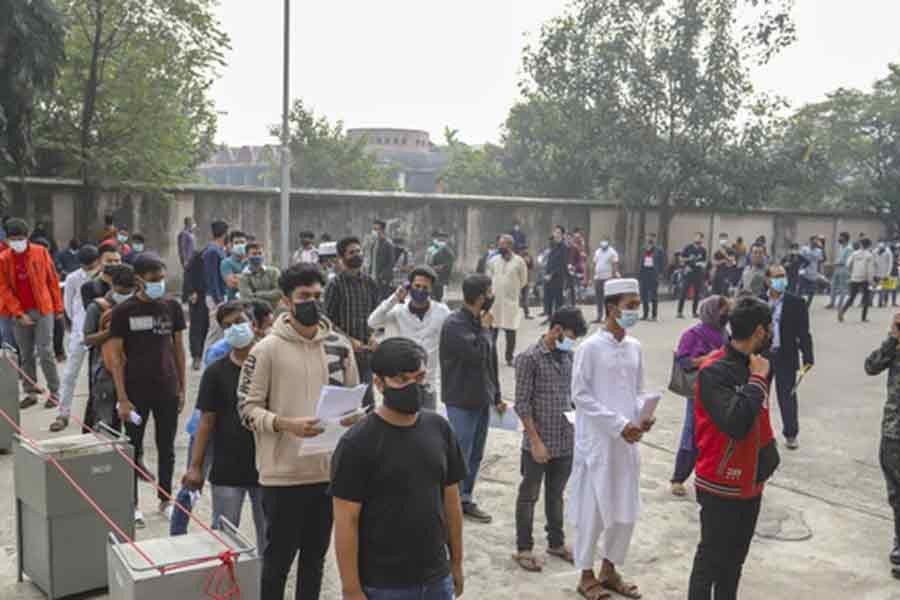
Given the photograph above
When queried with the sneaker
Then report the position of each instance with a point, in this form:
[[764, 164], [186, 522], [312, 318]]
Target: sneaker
[[59, 424], [139, 522], [28, 402], [471, 510], [48, 403], [679, 316], [791, 443]]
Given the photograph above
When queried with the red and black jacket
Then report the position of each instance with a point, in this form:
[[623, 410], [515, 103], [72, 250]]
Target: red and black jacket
[[736, 451]]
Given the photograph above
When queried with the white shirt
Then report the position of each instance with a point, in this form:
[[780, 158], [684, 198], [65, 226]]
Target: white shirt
[[883, 263], [603, 262], [399, 321], [861, 266], [776, 306], [72, 303], [306, 256], [508, 277]]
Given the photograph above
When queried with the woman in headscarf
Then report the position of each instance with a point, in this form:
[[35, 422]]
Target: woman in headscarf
[[695, 345]]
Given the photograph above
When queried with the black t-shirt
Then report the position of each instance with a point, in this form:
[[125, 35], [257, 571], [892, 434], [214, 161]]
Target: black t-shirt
[[398, 474], [148, 330], [93, 289], [234, 454]]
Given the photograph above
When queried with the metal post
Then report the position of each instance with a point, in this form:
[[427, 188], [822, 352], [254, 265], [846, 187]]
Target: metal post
[[285, 147]]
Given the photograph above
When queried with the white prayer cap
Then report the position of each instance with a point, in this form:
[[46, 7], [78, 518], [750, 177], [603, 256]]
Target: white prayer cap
[[615, 287]]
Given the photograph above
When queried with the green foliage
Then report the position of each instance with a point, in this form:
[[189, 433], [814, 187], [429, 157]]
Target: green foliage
[[132, 101], [324, 157], [475, 170]]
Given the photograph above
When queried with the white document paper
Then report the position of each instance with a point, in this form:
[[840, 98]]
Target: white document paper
[[570, 416], [335, 404], [650, 402], [509, 420]]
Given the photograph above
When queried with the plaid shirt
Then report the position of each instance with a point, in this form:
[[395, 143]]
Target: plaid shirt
[[349, 300], [543, 392]]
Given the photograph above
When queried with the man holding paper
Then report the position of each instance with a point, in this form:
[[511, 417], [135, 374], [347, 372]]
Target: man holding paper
[[280, 386], [608, 393]]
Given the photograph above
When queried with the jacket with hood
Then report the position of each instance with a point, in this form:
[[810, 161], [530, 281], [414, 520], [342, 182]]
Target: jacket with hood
[[283, 377]]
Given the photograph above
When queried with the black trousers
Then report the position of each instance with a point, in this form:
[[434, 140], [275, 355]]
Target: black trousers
[[523, 301], [553, 298], [510, 342], [726, 530], [298, 521], [599, 285], [785, 376], [555, 475], [59, 332], [165, 423], [889, 456], [199, 327], [649, 291], [695, 280], [857, 287]]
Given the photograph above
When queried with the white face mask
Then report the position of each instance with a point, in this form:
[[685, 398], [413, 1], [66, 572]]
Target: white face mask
[[18, 246]]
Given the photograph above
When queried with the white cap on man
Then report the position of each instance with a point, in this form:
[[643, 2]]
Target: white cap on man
[[617, 287]]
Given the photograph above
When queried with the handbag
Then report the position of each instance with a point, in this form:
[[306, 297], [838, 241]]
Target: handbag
[[682, 382]]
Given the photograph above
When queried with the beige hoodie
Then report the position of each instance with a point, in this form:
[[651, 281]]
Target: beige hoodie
[[283, 376]]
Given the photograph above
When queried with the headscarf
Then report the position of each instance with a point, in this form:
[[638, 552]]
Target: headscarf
[[710, 310]]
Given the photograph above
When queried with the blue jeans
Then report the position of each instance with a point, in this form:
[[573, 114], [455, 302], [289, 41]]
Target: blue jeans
[[470, 427], [439, 590], [7, 332], [228, 502]]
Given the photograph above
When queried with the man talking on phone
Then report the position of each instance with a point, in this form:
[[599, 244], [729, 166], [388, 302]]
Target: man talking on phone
[[470, 386]]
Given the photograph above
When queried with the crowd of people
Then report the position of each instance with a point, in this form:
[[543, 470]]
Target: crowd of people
[[396, 488]]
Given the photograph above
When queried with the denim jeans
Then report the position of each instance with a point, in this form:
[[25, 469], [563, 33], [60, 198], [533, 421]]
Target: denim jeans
[[36, 342], [439, 590], [7, 332], [228, 502], [471, 427], [77, 352]]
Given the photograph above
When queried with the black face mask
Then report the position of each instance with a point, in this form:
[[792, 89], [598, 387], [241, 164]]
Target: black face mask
[[488, 303], [307, 313], [354, 262], [407, 400]]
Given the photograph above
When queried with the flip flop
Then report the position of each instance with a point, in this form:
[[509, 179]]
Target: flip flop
[[615, 583], [594, 591], [528, 562], [562, 553]]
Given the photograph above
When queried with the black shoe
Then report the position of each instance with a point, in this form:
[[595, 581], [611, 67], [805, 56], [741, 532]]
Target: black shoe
[[28, 402], [529, 318], [471, 510], [895, 571], [696, 316], [895, 553], [679, 316]]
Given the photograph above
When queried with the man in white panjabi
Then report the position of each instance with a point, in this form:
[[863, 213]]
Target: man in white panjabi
[[509, 274], [604, 495]]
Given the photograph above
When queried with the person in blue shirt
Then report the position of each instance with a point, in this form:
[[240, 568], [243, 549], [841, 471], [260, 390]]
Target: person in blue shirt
[[234, 265], [213, 256]]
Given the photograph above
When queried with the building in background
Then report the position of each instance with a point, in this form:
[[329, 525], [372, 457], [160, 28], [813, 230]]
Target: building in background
[[243, 166], [410, 152]]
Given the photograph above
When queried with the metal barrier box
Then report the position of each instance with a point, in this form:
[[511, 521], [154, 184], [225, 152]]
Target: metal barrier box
[[9, 397], [61, 540], [131, 577]]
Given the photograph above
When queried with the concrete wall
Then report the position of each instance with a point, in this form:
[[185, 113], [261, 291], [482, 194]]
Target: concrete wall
[[471, 221]]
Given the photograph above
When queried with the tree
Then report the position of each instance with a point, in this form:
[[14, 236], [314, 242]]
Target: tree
[[132, 101], [650, 90], [324, 157], [31, 51], [475, 170]]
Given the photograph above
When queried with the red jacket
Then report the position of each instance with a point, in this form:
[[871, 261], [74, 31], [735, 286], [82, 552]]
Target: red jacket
[[736, 450], [42, 276]]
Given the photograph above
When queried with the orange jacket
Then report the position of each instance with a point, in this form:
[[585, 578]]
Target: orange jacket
[[41, 274]]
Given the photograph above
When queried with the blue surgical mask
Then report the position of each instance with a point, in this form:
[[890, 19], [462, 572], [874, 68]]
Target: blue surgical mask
[[419, 296], [155, 289], [256, 261], [137, 247], [122, 238], [120, 298], [566, 344], [239, 249], [629, 318], [239, 335], [779, 284]]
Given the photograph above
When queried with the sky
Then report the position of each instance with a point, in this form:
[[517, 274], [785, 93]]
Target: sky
[[429, 64]]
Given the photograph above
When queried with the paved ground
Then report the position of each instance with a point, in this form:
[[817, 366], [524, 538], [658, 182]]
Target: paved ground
[[825, 529]]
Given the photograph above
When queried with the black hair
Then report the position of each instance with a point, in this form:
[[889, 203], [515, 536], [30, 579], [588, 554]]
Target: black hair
[[74, 243], [253, 246], [845, 235], [398, 355], [137, 237], [346, 243], [380, 223], [188, 221], [229, 308], [325, 238], [108, 248], [307, 235], [259, 310], [237, 233], [88, 255], [299, 275], [474, 286], [148, 262], [219, 229], [560, 227], [423, 271], [570, 318], [866, 243], [747, 314], [122, 228], [120, 275], [41, 241], [108, 219], [16, 227]]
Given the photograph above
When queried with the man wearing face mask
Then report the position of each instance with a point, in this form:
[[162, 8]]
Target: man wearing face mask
[[753, 280], [259, 281], [509, 274], [653, 265], [695, 258], [138, 245], [884, 264], [149, 365], [99, 285], [391, 544], [555, 272], [606, 266], [233, 473], [280, 385], [29, 294], [736, 450], [543, 396], [608, 393], [791, 336], [411, 313], [470, 386], [379, 258], [441, 260], [234, 264]]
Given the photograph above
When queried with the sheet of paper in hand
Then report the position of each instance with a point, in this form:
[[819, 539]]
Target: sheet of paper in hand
[[335, 404], [509, 420], [649, 402]]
